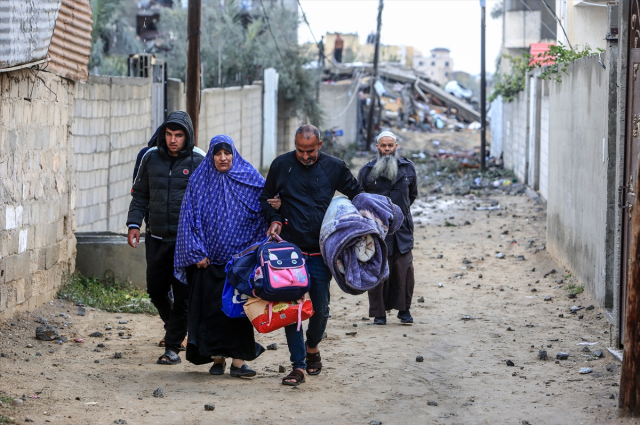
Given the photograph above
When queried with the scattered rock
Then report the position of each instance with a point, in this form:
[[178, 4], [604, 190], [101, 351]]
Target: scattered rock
[[552, 271], [120, 422], [465, 261], [505, 232], [50, 351], [572, 295], [500, 255], [534, 290], [585, 370], [598, 354], [547, 298], [28, 420], [101, 345], [520, 258], [542, 355], [432, 403], [586, 349], [612, 397], [421, 299], [29, 345], [581, 317], [375, 423], [117, 356], [419, 359], [122, 322], [42, 320], [439, 285], [96, 361], [281, 369], [562, 356], [591, 307], [467, 223], [273, 346], [158, 393], [510, 363], [17, 402], [209, 407], [439, 256], [96, 334], [560, 315], [81, 311], [351, 333], [509, 329], [38, 353], [480, 276], [46, 332], [108, 328]]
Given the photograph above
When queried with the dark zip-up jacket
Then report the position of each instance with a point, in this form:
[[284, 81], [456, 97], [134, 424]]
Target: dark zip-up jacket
[[159, 187], [403, 191], [306, 192]]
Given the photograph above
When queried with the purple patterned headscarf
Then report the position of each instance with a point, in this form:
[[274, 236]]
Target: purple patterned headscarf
[[221, 213]]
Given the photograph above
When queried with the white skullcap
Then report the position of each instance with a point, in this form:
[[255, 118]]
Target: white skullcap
[[385, 134]]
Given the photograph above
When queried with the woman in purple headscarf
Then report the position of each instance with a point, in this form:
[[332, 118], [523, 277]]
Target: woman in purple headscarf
[[220, 216]]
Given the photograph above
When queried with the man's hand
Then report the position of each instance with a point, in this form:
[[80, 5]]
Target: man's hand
[[204, 263], [275, 203], [133, 237], [274, 229]]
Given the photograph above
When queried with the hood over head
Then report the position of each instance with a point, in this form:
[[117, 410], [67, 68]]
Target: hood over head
[[181, 118]]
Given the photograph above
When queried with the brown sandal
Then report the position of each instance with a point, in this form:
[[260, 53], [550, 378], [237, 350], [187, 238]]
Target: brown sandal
[[295, 375], [314, 362], [162, 343]]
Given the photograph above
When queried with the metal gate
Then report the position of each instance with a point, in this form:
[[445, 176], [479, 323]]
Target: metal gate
[[147, 66]]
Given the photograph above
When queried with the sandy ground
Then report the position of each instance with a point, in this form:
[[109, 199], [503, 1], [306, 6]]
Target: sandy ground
[[465, 330]]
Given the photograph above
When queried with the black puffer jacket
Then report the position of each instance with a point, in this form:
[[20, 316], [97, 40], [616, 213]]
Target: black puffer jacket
[[158, 187]]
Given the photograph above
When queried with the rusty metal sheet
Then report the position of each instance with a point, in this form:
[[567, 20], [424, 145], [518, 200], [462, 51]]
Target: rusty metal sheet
[[26, 28], [71, 42]]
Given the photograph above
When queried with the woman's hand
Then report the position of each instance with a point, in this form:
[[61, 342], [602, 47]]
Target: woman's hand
[[204, 263], [274, 229]]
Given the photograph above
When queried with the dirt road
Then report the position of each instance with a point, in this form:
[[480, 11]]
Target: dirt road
[[488, 311]]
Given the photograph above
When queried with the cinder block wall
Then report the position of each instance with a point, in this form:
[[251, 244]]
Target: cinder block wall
[[111, 123], [37, 188], [234, 111], [515, 136]]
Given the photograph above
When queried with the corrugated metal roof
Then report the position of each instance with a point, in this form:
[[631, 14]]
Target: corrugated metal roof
[[26, 28], [71, 42]]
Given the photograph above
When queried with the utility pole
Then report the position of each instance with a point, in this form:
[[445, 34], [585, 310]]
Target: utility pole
[[194, 21], [374, 78], [629, 398], [483, 86]]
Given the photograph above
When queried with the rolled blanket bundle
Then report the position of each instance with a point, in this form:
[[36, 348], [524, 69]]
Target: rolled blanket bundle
[[352, 240]]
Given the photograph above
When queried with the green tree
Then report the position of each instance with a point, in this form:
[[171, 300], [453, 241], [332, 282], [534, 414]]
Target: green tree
[[110, 34], [236, 47]]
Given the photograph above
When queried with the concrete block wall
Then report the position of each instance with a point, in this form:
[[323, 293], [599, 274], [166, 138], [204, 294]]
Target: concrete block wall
[[515, 136], [37, 188], [111, 123], [580, 181], [234, 111], [340, 109], [544, 141]]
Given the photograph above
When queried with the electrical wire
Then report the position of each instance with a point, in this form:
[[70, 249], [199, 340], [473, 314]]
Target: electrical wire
[[555, 33], [559, 23], [307, 22], [271, 32], [353, 96]]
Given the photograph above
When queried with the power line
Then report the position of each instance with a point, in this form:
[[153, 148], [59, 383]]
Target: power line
[[559, 23], [307, 22], [271, 32], [555, 33]]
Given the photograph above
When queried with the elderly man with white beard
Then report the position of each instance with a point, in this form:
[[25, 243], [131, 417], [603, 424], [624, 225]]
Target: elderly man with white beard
[[393, 176]]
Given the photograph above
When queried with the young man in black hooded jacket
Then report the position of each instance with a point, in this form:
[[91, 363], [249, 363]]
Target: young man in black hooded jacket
[[158, 190]]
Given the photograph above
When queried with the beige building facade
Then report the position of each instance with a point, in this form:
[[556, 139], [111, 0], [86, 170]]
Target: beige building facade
[[438, 65]]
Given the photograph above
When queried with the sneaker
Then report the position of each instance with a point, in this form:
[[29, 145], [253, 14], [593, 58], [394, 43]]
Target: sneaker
[[380, 321], [405, 317]]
